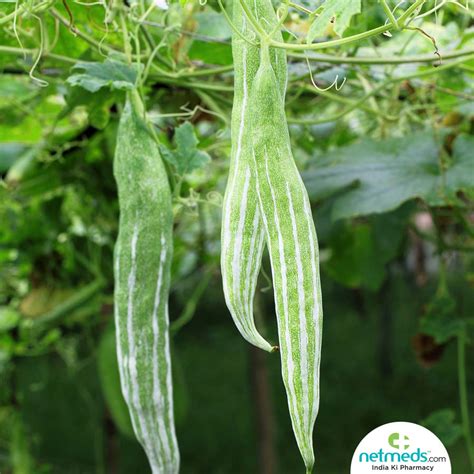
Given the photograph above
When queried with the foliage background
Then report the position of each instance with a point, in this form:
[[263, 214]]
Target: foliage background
[[387, 160]]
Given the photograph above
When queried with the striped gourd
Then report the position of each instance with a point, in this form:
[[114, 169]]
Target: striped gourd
[[142, 278], [293, 248], [242, 229]]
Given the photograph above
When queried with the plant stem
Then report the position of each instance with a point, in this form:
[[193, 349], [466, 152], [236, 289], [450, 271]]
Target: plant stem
[[463, 401], [191, 305], [300, 8], [231, 24], [390, 15], [192, 85], [23, 9], [34, 52], [404, 17], [374, 91], [84, 36], [323, 58], [126, 40], [332, 43], [210, 71], [214, 107], [345, 100], [250, 16], [422, 58], [65, 308]]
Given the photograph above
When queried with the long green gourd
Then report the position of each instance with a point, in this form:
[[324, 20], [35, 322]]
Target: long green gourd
[[242, 228], [293, 248], [142, 278]]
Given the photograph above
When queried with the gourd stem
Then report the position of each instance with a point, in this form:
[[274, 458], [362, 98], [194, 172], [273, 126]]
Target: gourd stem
[[264, 53], [137, 103], [390, 15]]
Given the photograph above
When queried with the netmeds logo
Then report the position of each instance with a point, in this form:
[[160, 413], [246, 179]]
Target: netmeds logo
[[397, 441], [401, 446]]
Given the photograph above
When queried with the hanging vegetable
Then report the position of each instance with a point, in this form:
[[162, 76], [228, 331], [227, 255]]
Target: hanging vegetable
[[242, 228], [142, 278]]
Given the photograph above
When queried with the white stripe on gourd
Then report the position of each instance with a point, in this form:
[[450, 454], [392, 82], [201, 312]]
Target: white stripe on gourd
[[292, 242], [242, 232], [142, 277], [158, 398]]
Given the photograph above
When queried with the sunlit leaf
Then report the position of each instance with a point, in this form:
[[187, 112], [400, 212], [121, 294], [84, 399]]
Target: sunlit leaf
[[337, 12]]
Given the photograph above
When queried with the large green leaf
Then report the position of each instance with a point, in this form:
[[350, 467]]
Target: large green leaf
[[378, 176], [110, 73]]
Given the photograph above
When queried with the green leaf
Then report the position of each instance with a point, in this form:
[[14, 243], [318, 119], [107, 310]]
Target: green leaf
[[338, 12], [442, 423], [186, 157], [110, 73], [378, 176]]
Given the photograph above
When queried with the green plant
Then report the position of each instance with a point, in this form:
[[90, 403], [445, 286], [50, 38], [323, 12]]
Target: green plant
[[380, 122], [143, 254], [293, 248], [242, 240]]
